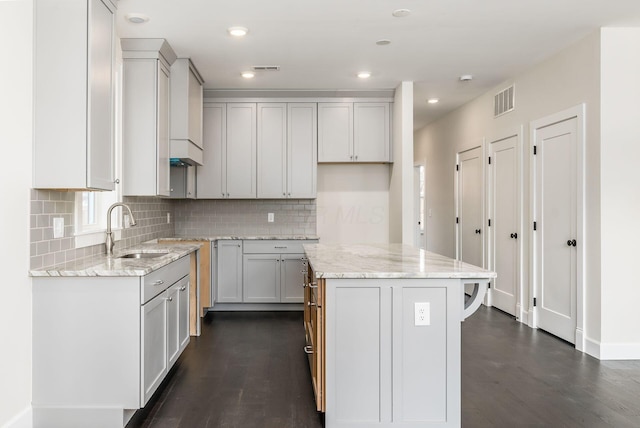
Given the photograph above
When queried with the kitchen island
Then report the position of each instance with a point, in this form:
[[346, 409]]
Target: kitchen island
[[382, 325]]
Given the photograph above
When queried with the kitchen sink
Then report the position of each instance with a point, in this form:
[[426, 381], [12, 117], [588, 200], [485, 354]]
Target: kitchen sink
[[141, 255]]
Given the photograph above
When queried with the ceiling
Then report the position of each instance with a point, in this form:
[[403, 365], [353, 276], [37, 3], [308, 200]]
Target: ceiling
[[323, 44]]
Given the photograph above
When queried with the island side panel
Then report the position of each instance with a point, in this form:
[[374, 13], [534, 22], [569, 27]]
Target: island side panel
[[380, 367]]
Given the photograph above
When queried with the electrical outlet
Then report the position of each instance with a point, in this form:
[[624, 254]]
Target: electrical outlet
[[58, 227], [422, 313], [270, 217], [168, 218]]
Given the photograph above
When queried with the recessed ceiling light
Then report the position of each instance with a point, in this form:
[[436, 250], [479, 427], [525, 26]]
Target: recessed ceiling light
[[383, 42], [466, 77], [248, 74], [364, 74], [137, 18], [433, 100], [401, 13], [238, 31]]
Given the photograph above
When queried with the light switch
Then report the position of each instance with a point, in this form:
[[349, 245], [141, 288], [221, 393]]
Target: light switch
[[58, 227]]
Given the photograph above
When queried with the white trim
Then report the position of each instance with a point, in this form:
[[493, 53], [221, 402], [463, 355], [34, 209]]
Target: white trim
[[612, 351], [95, 238], [577, 112], [24, 419]]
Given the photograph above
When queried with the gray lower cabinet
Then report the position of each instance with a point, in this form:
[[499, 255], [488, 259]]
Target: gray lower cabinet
[[103, 345], [229, 271], [259, 271], [273, 278]]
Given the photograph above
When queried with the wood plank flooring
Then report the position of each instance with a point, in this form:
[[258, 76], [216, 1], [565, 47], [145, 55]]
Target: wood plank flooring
[[248, 370]]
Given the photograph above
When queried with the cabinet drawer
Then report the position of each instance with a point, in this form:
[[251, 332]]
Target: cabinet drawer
[[158, 281], [276, 246]]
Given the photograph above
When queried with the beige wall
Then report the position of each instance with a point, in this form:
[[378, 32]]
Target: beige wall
[[353, 203], [565, 80], [16, 25], [620, 183]]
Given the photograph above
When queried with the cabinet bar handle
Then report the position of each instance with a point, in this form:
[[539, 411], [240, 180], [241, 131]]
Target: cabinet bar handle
[[314, 304], [280, 247], [158, 282], [313, 285], [308, 350]]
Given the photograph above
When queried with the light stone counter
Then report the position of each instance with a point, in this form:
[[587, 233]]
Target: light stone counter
[[242, 237], [386, 261], [113, 266]]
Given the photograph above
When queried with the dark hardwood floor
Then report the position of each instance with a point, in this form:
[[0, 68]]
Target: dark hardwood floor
[[248, 370]]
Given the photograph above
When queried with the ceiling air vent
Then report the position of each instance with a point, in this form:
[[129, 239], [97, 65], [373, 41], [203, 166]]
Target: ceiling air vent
[[266, 68], [503, 102]]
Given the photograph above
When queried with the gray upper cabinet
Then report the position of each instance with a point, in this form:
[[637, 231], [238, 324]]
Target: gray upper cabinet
[[146, 96], [73, 95], [186, 112], [183, 182], [354, 132], [229, 169], [287, 147]]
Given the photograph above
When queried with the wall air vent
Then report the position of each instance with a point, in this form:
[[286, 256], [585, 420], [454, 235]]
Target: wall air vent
[[266, 68], [504, 101]]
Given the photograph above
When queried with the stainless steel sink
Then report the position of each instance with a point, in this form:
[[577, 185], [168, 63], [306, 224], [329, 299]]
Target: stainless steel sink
[[141, 255]]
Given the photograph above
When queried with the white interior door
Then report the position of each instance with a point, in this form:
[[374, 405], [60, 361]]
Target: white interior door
[[470, 194], [556, 224], [504, 197]]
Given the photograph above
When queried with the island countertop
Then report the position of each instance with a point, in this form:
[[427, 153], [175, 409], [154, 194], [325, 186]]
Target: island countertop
[[387, 261]]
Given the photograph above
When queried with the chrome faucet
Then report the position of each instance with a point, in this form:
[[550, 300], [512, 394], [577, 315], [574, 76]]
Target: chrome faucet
[[109, 242]]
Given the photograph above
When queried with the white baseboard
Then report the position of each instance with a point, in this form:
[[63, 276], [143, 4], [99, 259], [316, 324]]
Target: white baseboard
[[23, 419], [612, 351]]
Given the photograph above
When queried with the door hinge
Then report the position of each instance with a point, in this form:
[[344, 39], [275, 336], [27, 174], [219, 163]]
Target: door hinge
[[535, 226], [535, 150], [489, 222], [535, 302], [457, 220], [457, 167], [489, 160]]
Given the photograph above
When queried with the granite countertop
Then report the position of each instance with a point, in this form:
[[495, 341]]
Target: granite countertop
[[247, 237], [113, 266], [387, 261]]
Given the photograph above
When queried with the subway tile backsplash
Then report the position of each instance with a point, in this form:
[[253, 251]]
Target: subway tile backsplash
[[189, 218], [245, 217], [150, 214]]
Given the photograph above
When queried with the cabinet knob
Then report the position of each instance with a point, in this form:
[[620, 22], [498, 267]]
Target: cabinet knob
[[356, 157], [351, 157], [183, 288], [227, 195], [117, 181], [289, 194], [170, 299]]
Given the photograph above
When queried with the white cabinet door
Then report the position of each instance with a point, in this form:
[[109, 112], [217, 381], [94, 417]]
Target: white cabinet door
[[183, 287], [145, 125], [261, 280], [154, 346], [210, 181], [335, 132], [302, 149], [371, 132], [272, 150], [292, 278], [240, 168], [229, 273], [173, 341], [73, 95]]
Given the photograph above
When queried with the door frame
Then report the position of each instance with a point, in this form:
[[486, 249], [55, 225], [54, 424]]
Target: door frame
[[416, 197], [456, 184], [522, 313], [577, 112]]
